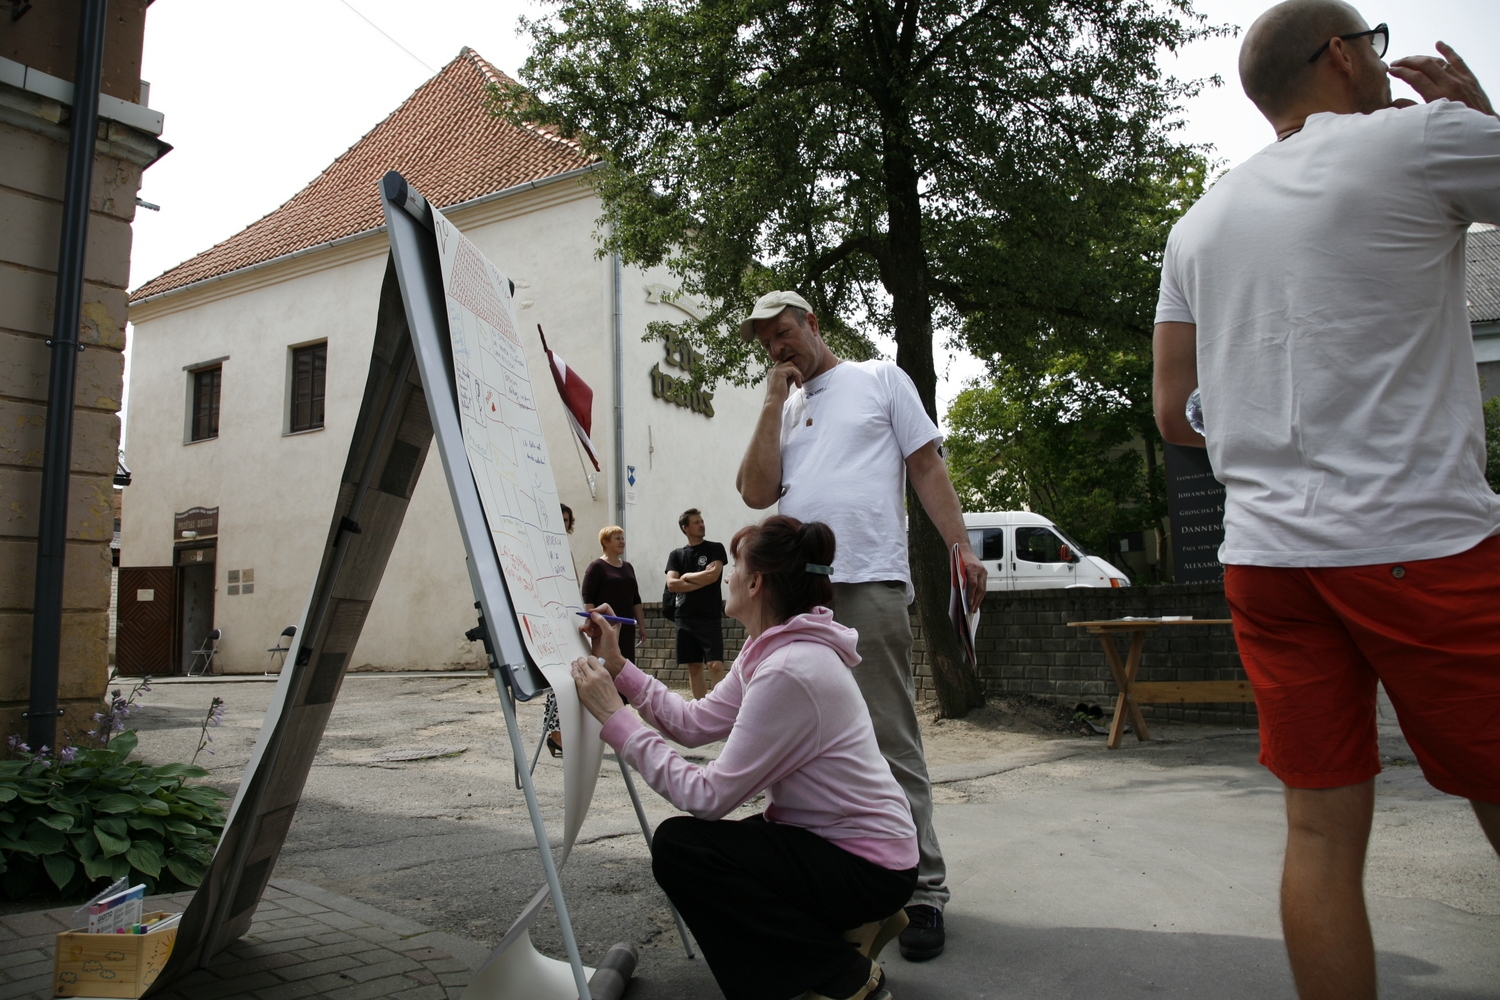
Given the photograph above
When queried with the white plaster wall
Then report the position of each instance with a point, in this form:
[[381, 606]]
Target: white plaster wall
[[682, 459], [276, 492], [425, 603]]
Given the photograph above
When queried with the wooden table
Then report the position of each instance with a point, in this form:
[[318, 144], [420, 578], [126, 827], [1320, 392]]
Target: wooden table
[[1133, 693]]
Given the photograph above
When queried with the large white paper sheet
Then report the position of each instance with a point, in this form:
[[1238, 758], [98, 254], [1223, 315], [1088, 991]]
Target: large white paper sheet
[[508, 456]]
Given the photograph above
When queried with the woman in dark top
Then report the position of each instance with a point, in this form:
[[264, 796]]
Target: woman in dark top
[[611, 580]]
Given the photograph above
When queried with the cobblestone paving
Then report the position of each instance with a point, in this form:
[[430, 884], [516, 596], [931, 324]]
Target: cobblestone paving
[[305, 944]]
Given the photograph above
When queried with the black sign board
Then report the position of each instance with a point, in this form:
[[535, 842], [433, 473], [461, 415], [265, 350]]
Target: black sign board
[[195, 522], [1195, 501]]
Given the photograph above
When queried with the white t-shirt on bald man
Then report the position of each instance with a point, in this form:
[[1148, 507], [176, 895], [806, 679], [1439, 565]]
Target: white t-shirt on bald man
[[845, 438], [1340, 397]]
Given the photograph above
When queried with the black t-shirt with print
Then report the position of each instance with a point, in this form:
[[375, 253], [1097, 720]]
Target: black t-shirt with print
[[705, 602]]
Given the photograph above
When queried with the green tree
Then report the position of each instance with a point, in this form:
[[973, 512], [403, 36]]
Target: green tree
[[909, 166], [1492, 442], [1075, 443]]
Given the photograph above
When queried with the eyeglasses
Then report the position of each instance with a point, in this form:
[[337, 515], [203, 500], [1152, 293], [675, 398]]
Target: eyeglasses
[[1380, 38]]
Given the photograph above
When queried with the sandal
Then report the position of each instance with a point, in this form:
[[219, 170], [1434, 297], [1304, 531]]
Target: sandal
[[870, 938]]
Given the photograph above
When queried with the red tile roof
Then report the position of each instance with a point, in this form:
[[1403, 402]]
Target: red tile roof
[[443, 139]]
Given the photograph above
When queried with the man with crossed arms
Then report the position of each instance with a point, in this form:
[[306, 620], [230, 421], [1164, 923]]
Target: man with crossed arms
[[1316, 298], [835, 442]]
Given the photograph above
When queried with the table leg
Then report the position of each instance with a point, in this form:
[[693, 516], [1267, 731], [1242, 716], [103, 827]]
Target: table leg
[[1122, 685], [1132, 667]]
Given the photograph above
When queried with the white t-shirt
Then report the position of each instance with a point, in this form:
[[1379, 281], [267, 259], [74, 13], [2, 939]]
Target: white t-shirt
[[1340, 396], [847, 468]]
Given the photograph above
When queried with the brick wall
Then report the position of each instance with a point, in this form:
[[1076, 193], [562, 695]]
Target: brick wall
[[1025, 646], [34, 136], [656, 650]]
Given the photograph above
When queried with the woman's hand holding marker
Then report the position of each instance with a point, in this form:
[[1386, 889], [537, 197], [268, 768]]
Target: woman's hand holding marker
[[605, 638]]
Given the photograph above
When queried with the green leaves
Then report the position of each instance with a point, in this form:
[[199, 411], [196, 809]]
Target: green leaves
[[118, 804], [112, 844], [983, 170], [145, 856], [60, 869], [1067, 441], [187, 871], [65, 825], [1492, 441], [58, 821]]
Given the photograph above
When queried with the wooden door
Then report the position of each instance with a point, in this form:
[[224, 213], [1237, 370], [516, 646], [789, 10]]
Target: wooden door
[[147, 614]]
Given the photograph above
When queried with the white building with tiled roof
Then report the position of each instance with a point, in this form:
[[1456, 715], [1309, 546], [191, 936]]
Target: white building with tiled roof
[[249, 360]]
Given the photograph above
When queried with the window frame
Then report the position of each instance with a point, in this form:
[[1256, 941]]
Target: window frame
[[317, 401], [1041, 530], [196, 374]]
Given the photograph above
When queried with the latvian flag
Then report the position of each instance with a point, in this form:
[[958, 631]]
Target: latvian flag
[[577, 397]]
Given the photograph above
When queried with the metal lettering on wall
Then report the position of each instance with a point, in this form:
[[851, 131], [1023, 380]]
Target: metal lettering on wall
[[681, 354], [1195, 501]]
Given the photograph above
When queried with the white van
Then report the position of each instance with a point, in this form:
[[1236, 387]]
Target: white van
[[1025, 551]]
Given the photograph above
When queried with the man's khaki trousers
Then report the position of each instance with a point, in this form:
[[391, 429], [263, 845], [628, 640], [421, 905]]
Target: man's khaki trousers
[[878, 612]]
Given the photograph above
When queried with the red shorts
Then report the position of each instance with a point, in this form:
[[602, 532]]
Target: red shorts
[[1315, 641]]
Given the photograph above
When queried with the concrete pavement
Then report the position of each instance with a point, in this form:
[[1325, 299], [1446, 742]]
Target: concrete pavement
[[1076, 871]]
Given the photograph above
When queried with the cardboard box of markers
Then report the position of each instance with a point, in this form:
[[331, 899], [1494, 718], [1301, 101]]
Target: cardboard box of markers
[[115, 948]]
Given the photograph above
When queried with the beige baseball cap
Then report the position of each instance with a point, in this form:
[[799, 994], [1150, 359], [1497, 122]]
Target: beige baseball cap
[[769, 305]]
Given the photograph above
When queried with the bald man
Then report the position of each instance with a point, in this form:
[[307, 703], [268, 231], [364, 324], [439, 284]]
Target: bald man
[[1316, 298]]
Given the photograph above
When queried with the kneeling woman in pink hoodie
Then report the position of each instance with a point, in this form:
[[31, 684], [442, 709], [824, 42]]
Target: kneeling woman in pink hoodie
[[794, 901]]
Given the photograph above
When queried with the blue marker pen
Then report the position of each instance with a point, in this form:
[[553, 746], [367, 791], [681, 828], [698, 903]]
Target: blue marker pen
[[608, 618]]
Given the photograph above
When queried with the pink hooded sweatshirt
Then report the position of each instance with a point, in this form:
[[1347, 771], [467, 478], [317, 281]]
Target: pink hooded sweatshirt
[[797, 727]]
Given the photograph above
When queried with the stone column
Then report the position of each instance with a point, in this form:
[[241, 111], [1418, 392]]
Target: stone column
[[33, 152]]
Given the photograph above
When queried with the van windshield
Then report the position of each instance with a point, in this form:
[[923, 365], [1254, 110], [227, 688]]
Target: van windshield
[[1078, 550]]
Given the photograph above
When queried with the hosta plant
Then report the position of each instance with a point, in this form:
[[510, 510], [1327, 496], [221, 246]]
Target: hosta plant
[[92, 816]]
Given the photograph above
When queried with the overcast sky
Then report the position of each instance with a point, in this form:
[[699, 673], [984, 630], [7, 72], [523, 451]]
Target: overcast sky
[[260, 97]]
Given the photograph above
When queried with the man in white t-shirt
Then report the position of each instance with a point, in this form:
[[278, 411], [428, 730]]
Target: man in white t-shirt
[[835, 442], [1315, 296]]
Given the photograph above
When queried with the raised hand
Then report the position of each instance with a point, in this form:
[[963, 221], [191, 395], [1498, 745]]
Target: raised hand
[[1436, 79], [604, 636], [780, 381]]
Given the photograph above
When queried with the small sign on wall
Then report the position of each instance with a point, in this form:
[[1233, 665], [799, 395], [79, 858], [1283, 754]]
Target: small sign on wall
[[195, 522], [145, 595]]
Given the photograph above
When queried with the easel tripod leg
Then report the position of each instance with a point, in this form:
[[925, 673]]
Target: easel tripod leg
[[564, 924], [640, 814]]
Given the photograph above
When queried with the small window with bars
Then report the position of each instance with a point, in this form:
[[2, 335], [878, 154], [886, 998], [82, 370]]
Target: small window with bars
[[309, 369], [205, 418]]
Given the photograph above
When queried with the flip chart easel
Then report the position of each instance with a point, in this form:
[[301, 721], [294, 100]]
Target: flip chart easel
[[410, 401], [467, 344]]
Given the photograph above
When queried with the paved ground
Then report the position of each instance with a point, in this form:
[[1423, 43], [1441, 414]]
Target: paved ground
[[305, 942], [1076, 871]]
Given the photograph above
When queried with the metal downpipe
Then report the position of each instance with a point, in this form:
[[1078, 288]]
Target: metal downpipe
[[619, 338], [62, 380]]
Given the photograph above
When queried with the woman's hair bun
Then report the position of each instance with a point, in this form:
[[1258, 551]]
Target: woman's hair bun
[[816, 539], [780, 549]]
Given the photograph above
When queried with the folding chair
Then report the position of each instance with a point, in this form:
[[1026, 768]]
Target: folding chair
[[287, 633], [203, 656]]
